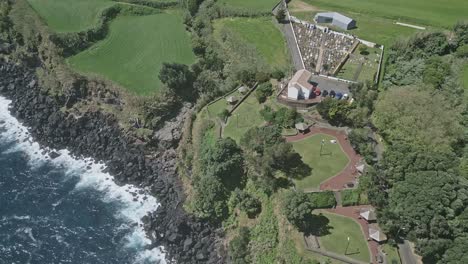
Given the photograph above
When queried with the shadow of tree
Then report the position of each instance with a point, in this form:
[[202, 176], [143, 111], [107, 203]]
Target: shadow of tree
[[296, 168], [317, 225]]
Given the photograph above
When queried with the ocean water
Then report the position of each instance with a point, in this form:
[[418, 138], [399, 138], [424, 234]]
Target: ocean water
[[65, 210]]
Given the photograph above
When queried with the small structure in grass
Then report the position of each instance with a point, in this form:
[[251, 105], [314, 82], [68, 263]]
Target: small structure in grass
[[243, 89], [360, 168], [301, 127], [231, 99], [368, 214], [376, 234]]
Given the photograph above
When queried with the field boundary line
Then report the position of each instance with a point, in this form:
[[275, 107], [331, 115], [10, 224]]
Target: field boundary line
[[409, 25]]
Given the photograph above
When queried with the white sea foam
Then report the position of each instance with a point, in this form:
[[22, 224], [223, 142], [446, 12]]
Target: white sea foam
[[133, 205]]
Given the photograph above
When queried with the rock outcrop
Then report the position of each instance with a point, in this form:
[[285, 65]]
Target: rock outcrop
[[98, 135]]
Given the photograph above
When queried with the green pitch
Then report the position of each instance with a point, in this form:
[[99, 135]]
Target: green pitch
[[340, 229], [70, 15], [133, 52], [330, 162]]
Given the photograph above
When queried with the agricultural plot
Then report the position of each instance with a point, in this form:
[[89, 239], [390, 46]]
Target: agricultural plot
[[333, 234], [361, 66], [260, 33], [257, 5], [70, 15], [325, 164], [131, 55]]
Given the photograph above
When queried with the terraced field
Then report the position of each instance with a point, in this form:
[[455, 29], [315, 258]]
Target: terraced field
[[262, 34], [133, 52], [70, 15], [256, 5]]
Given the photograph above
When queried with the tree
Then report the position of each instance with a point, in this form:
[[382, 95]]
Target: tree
[[435, 72], [225, 161], [281, 14], [363, 50], [263, 91], [416, 116], [297, 208], [457, 253], [224, 115], [177, 77], [210, 198], [335, 111], [246, 202], [462, 51]]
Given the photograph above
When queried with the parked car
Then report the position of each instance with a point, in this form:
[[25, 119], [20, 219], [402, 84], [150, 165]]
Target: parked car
[[339, 95], [332, 94], [324, 93], [345, 96]]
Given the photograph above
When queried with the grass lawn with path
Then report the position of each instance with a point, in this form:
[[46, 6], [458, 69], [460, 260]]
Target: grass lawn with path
[[255, 5], [262, 34], [70, 15], [332, 161], [340, 228], [391, 254], [246, 116], [132, 56]]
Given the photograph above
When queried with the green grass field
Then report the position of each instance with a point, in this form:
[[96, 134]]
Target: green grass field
[[131, 55], [391, 254], [340, 228], [435, 13], [262, 34], [70, 15], [246, 116], [370, 64], [255, 5], [331, 162]]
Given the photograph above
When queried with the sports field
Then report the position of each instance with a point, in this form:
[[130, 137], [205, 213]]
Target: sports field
[[436, 13], [340, 228], [324, 165], [253, 5], [131, 55], [70, 15], [262, 34]]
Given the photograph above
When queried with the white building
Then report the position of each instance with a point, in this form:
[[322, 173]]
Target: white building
[[299, 86], [335, 19]]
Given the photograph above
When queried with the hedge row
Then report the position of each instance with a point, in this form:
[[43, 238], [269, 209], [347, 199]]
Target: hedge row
[[322, 199]]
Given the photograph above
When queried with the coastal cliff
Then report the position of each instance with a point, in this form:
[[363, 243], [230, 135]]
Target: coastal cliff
[[93, 133]]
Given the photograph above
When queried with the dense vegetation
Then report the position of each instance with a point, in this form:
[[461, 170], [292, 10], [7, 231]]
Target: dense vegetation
[[420, 183]]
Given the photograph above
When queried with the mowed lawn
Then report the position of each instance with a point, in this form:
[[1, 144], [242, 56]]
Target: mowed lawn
[[70, 15], [336, 238], [246, 116], [436, 13], [262, 34], [256, 5], [331, 162], [133, 52]]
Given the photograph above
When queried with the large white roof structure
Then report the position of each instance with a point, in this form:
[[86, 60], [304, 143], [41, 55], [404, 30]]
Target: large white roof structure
[[377, 235]]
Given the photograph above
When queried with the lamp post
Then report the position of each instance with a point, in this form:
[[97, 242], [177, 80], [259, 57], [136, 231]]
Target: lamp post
[[321, 146], [347, 245]]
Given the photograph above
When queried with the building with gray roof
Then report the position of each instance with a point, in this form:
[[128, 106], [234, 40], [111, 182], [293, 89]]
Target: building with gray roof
[[335, 19]]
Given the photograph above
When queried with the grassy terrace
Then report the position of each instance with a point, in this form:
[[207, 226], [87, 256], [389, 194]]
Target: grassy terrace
[[324, 166], [363, 67], [132, 56], [262, 34], [256, 5], [335, 230], [70, 15]]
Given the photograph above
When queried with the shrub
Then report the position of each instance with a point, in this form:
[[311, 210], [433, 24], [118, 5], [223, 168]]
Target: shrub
[[349, 197], [297, 208], [246, 202], [263, 91], [277, 74], [224, 115], [462, 51], [322, 199], [281, 14], [239, 247]]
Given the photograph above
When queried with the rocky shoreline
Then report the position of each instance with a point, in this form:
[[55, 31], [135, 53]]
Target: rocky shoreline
[[98, 135]]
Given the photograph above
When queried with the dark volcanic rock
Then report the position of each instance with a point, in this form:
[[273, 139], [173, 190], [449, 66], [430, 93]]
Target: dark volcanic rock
[[98, 135]]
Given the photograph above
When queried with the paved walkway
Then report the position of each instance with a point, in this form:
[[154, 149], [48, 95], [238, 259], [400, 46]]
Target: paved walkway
[[353, 212], [349, 173]]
